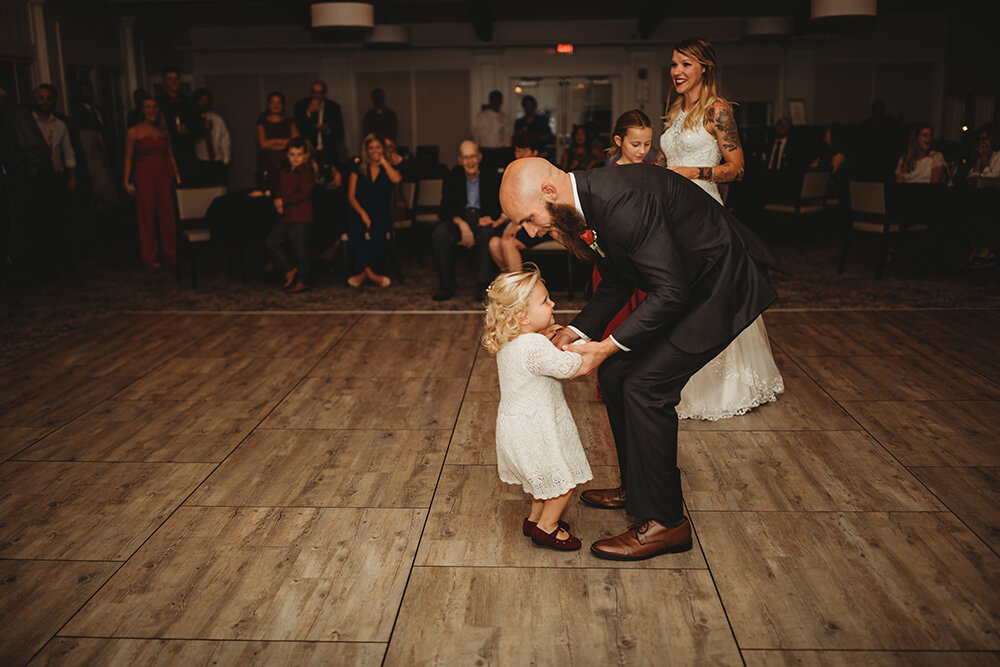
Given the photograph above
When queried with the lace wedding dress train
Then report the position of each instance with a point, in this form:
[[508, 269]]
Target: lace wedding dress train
[[744, 375]]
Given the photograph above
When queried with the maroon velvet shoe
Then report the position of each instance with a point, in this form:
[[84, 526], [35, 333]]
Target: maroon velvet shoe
[[541, 538], [528, 525]]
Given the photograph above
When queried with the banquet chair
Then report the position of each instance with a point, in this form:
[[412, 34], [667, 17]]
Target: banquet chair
[[427, 208], [426, 213], [869, 215], [553, 247], [810, 199], [192, 230]]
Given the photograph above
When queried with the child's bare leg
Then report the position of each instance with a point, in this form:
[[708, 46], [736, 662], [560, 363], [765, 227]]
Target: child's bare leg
[[512, 253], [552, 509], [536, 510], [496, 252]]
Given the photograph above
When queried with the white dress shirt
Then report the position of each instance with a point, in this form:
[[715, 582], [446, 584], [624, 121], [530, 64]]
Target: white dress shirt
[[57, 137], [777, 154], [221, 142], [923, 169], [991, 170], [492, 129], [579, 209]]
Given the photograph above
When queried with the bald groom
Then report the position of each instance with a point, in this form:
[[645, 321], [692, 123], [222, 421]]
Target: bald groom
[[705, 276]]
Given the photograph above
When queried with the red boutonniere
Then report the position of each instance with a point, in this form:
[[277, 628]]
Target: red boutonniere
[[589, 236]]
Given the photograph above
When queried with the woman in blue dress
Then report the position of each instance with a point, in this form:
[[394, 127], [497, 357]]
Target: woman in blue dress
[[369, 192]]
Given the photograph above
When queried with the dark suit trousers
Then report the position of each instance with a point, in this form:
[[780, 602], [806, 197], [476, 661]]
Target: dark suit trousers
[[294, 235], [641, 391], [447, 235]]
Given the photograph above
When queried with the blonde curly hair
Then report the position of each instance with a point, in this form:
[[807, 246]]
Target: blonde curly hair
[[506, 300]]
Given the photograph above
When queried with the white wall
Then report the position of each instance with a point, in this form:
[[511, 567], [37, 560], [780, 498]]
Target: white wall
[[837, 77]]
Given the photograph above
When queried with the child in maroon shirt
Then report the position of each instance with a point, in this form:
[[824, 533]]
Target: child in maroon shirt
[[293, 201]]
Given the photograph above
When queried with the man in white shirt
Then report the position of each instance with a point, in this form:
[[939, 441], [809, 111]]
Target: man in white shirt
[[53, 230], [492, 132], [56, 135], [213, 150]]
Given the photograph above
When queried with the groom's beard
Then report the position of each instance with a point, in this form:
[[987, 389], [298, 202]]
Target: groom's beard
[[566, 226]]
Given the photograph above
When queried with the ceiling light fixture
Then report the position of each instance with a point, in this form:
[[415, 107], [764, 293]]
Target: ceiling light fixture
[[343, 15]]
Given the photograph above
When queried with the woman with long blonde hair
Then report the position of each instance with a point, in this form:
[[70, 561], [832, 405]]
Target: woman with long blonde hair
[[369, 193], [700, 142]]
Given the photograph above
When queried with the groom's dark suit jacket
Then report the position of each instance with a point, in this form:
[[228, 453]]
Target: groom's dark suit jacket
[[704, 273]]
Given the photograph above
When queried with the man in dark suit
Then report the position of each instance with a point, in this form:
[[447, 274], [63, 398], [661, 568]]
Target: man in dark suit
[[184, 121], [470, 216], [706, 279], [782, 164], [321, 121]]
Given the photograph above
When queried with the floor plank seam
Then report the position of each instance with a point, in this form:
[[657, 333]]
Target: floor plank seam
[[604, 568], [895, 458], [312, 507], [427, 515], [227, 639], [831, 511], [889, 452], [107, 398], [193, 491], [58, 560]]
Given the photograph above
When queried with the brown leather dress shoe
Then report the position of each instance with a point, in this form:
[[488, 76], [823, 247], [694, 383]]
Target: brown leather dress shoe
[[551, 540], [527, 526], [607, 499], [645, 540]]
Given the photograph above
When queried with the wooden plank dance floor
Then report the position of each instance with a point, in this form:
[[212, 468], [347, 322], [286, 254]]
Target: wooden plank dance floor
[[260, 489]]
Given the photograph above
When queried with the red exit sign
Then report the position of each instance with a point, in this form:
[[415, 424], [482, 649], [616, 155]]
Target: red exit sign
[[564, 48]]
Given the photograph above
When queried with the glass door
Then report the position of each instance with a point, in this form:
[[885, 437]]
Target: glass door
[[567, 103]]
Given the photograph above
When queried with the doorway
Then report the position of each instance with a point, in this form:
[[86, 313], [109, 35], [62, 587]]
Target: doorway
[[569, 102]]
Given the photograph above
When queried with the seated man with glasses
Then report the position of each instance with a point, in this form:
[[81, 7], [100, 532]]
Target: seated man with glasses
[[470, 216]]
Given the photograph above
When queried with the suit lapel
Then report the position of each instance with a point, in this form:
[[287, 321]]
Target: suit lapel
[[615, 255]]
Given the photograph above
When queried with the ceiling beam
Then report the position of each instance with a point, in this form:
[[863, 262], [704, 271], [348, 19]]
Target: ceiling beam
[[482, 19], [651, 15]]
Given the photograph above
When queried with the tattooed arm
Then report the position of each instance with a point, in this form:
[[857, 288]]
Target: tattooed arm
[[720, 124]]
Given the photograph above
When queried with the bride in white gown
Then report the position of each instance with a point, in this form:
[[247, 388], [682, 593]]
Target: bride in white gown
[[700, 141]]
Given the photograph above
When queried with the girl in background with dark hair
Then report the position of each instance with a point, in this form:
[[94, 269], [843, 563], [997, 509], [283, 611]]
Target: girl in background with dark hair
[[274, 130], [633, 135], [581, 154], [293, 202]]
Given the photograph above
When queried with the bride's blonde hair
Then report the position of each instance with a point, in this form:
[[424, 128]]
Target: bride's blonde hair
[[506, 300], [701, 51]]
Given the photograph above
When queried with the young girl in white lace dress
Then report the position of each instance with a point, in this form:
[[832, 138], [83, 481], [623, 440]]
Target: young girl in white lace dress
[[538, 445]]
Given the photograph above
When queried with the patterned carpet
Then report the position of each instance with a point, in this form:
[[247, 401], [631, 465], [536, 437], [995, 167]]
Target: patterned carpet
[[113, 282]]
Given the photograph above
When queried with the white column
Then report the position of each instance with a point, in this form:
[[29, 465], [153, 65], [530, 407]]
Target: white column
[[125, 27], [415, 121], [36, 19], [61, 67], [800, 80]]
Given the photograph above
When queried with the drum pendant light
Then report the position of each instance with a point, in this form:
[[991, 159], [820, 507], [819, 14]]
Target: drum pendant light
[[343, 15]]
